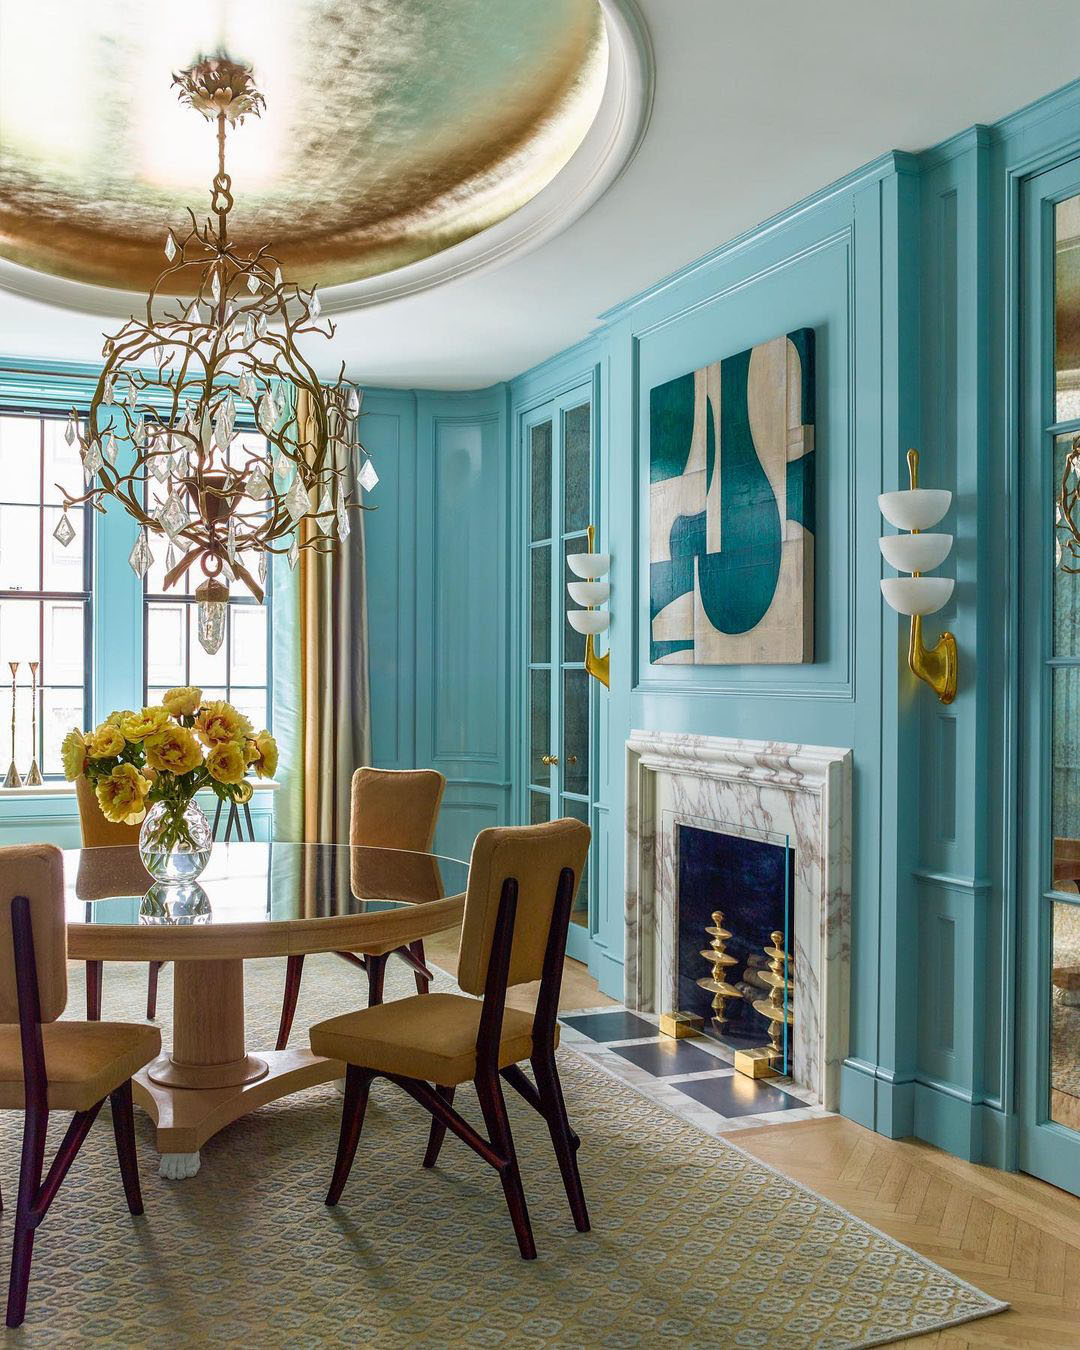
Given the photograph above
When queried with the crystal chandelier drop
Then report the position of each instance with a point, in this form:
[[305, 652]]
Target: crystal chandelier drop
[[161, 437]]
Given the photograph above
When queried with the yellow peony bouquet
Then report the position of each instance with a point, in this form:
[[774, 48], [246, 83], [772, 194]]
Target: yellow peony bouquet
[[167, 754]]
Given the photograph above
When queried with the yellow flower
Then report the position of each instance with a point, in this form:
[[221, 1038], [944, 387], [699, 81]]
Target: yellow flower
[[105, 742], [137, 726], [226, 762], [174, 750], [182, 702], [122, 796], [73, 754], [218, 722], [266, 757], [115, 718]]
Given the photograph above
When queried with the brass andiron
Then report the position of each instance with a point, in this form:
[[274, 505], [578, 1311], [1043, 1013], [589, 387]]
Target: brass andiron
[[33, 778], [773, 1007], [717, 983], [14, 778]]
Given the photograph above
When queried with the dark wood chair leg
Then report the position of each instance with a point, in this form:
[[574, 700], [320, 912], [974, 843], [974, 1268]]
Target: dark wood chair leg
[[423, 984], [123, 1122], [93, 991], [563, 1139], [26, 1221], [489, 1090], [357, 1086], [151, 989], [438, 1129], [376, 973], [294, 971]]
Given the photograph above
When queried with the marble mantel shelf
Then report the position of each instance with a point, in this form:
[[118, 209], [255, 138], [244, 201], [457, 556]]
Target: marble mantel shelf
[[802, 792]]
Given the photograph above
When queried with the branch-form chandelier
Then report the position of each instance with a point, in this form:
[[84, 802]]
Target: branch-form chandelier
[[236, 343]]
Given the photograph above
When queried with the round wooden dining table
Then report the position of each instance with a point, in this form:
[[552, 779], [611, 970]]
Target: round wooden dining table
[[253, 900]]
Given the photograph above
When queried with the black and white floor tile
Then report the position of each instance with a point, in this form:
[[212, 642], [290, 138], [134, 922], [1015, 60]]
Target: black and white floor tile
[[693, 1077]]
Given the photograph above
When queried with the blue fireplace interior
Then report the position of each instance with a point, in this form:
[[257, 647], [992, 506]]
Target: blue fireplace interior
[[752, 881]]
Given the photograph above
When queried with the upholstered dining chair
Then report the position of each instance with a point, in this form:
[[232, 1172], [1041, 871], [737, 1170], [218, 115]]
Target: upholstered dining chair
[[390, 808], [517, 912], [48, 1065], [98, 832]]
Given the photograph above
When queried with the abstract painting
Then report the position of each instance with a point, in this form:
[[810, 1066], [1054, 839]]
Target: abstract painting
[[731, 509]]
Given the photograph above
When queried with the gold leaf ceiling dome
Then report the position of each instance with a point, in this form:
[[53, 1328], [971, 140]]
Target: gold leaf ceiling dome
[[393, 129]]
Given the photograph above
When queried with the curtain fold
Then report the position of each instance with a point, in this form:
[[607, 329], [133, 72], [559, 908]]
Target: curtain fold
[[330, 699]]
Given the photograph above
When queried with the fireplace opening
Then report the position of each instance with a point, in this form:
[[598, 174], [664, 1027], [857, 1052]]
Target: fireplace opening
[[752, 883]]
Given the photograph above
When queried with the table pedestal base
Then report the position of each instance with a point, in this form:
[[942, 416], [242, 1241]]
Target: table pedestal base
[[208, 1080], [187, 1117]]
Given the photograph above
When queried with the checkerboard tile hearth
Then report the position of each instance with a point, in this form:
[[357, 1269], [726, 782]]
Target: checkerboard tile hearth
[[693, 1077]]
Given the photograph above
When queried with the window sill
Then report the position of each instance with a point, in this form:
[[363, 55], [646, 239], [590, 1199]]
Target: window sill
[[68, 790]]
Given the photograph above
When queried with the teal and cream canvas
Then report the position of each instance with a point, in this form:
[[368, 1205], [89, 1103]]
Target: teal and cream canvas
[[731, 509]]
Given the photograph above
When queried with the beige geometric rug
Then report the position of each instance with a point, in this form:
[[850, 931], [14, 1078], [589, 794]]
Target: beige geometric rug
[[694, 1243]]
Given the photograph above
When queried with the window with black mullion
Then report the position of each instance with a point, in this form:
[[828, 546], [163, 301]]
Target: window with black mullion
[[44, 588]]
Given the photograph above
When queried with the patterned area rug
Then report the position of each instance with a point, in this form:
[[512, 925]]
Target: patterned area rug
[[693, 1241]]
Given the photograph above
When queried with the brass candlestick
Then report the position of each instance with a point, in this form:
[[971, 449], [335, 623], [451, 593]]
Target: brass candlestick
[[14, 778], [717, 983], [780, 982], [33, 778]]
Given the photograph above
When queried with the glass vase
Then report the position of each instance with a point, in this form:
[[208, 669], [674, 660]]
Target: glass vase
[[175, 841]]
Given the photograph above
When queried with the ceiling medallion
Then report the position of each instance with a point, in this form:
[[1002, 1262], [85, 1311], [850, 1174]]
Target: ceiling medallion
[[175, 385]]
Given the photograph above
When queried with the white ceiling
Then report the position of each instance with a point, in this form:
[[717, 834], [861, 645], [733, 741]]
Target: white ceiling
[[756, 106]]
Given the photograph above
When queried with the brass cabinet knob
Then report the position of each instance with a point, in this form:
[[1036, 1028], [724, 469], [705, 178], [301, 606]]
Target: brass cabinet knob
[[549, 759], [571, 759]]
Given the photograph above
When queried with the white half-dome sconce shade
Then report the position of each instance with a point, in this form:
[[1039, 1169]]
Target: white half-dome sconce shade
[[593, 592], [915, 595]]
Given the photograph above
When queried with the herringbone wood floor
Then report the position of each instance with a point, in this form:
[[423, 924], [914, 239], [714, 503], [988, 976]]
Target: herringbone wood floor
[[1012, 1236]]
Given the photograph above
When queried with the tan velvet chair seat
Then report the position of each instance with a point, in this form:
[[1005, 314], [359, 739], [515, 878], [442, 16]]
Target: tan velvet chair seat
[[85, 1061], [428, 1036]]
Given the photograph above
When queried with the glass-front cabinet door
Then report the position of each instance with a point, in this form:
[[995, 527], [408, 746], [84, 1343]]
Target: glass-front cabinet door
[[557, 440], [1049, 891]]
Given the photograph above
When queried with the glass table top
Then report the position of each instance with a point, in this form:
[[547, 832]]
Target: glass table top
[[260, 882]]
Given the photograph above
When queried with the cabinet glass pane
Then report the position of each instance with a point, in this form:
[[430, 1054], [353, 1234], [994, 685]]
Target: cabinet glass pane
[[575, 751], [573, 641], [540, 479], [1065, 1013], [580, 913], [539, 725], [1067, 309], [539, 808], [576, 461], [540, 604]]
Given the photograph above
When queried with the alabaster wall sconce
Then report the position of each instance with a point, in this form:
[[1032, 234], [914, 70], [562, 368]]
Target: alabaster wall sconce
[[591, 591], [916, 552]]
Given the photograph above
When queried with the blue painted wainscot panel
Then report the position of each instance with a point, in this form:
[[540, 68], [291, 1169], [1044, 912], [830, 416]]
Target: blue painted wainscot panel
[[462, 609]]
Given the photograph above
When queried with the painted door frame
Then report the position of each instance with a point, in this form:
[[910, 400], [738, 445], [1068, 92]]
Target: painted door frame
[[1046, 1149], [554, 407]]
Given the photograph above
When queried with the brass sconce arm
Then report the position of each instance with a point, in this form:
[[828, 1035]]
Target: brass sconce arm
[[935, 665]]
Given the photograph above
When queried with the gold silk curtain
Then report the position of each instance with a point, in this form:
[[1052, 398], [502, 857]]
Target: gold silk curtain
[[334, 703]]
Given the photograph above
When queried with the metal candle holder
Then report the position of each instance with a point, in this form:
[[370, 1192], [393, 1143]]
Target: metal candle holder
[[14, 778], [33, 778]]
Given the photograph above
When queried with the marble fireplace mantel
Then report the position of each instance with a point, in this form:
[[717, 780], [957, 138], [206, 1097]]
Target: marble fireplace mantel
[[756, 789]]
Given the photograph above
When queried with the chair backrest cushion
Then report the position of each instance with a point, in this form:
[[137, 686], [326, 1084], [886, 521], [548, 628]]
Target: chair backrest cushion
[[534, 855], [395, 808], [97, 832], [36, 871]]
